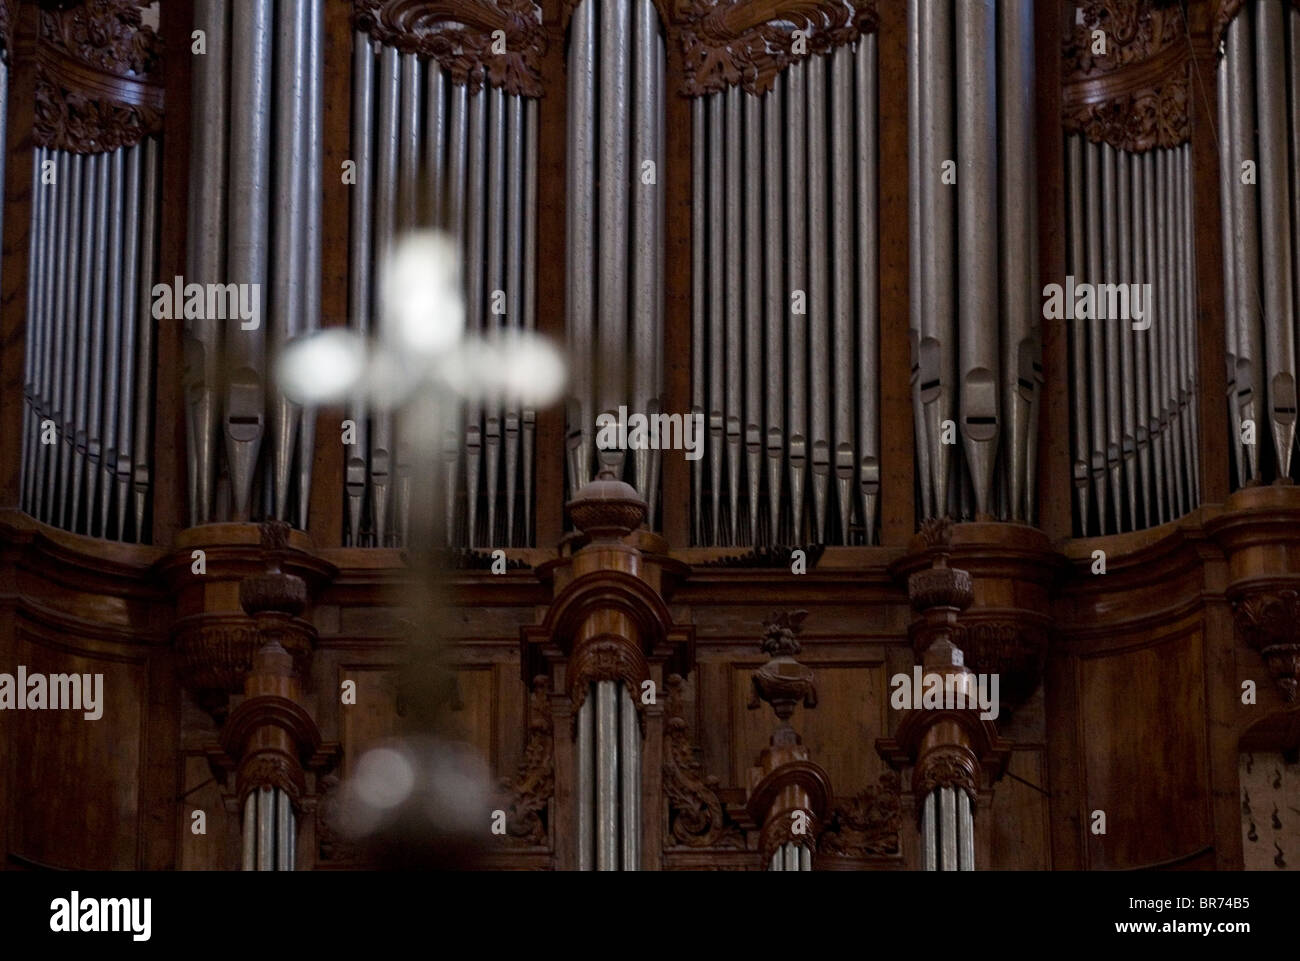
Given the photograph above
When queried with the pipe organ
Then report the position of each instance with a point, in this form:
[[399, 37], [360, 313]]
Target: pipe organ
[[785, 317], [1133, 362], [974, 320], [614, 235], [948, 285], [1259, 153]]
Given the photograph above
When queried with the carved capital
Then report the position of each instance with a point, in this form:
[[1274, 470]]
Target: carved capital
[[749, 42], [528, 794], [778, 830], [607, 658], [867, 825], [1269, 621], [98, 84], [1133, 96], [271, 769], [696, 815], [459, 35], [949, 765]]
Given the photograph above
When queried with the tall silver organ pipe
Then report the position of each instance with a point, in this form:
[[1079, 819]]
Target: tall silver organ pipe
[[785, 305], [88, 374], [432, 152], [608, 755], [977, 357], [1259, 128], [1132, 345], [254, 255], [614, 300]]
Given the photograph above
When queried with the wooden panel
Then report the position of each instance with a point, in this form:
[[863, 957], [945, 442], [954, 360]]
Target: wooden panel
[[840, 733], [199, 852], [473, 723], [1018, 816], [374, 716], [1144, 753], [75, 790]]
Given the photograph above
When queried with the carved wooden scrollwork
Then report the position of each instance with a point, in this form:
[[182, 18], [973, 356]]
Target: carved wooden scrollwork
[[697, 817], [528, 793], [271, 769], [1134, 95], [1269, 621], [97, 77], [867, 825], [500, 43], [748, 42]]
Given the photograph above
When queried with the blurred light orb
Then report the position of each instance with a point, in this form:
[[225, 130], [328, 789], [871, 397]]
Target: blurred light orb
[[421, 294], [323, 367], [531, 368], [384, 778], [512, 366]]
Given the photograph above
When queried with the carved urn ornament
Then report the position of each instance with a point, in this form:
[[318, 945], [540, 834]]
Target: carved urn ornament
[[607, 508], [783, 682]]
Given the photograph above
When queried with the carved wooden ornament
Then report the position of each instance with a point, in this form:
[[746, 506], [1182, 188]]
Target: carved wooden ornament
[[475, 41], [749, 42], [696, 815], [1133, 96], [97, 77]]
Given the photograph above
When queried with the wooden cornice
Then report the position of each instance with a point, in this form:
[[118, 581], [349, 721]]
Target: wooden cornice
[[1135, 95], [98, 77], [459, 35], [749, 42]]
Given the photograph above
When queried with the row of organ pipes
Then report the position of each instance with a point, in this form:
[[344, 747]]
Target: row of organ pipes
[[948, 830], [432, 152], [785, 319], [790, 399], [1259, 133], [255, 218], [614, 301], [1133, 390], [608, 755], [270, 829], [975, 307], [87, 440]]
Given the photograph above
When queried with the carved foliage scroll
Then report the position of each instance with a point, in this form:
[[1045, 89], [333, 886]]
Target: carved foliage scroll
[[528, 793], [867, 825], [696, 815], [749, 42], [476, 41], [1133, 95], [97, 77]]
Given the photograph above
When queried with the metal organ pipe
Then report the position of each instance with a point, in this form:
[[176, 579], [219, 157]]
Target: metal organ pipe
[[1275, 231], [246, 262]]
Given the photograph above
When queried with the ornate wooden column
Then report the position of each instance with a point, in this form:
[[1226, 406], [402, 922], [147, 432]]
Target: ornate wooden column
[[789, 795], [606, 644], [954, 756], [267, 739]]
